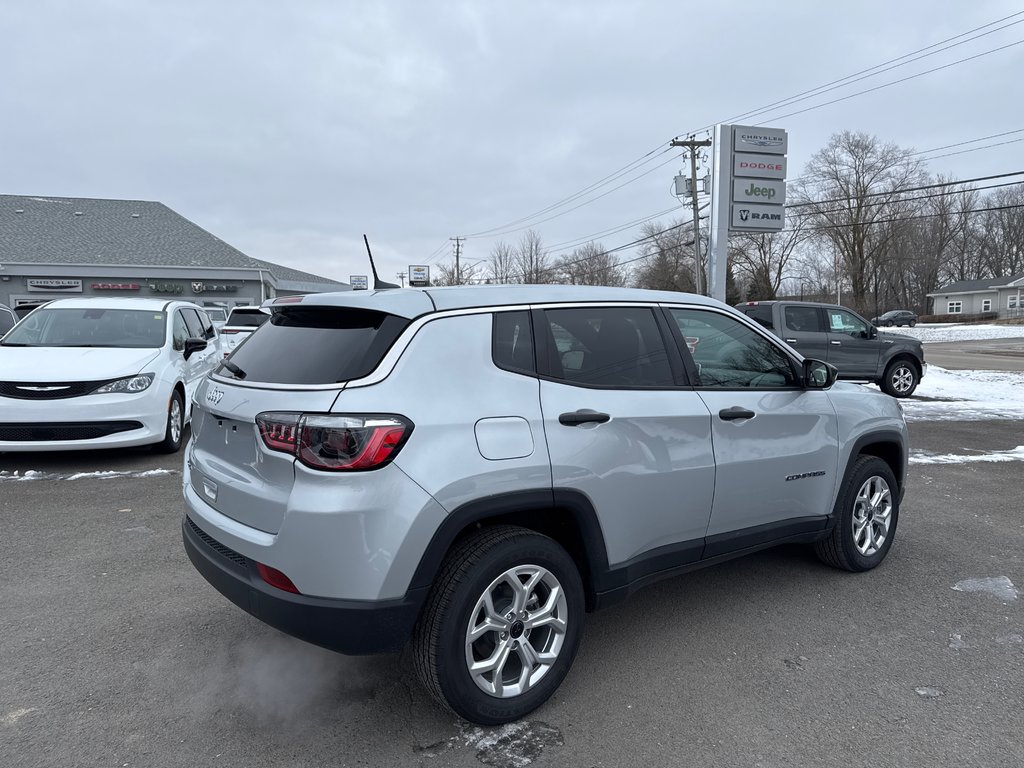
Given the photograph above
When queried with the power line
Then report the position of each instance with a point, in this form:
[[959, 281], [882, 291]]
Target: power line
[[969, 141], [880, 68], [909, 189]]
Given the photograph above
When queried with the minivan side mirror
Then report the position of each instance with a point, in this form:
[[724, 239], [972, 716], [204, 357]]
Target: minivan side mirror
[[193, 345], [819, 375]]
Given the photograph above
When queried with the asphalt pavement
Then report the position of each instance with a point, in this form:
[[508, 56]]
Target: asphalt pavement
[[117, 653], [989, 355]]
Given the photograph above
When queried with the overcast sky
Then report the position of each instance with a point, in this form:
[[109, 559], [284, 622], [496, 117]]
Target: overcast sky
[[290, 129]]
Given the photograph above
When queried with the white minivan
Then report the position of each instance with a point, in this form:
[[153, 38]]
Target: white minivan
[[103, 373]]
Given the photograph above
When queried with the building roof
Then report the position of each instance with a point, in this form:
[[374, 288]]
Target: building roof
[[140, 233], [972, 286]]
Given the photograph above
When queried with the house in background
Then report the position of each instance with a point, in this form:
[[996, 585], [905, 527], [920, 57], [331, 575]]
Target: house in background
[[1002, 295], [52, 247]]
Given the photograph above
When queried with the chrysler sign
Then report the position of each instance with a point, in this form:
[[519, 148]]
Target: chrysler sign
[[60, 286], [769, 141]]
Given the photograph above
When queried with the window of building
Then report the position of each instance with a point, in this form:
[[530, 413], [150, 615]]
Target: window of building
[[1014, 301], [955, 307], [986, 305]]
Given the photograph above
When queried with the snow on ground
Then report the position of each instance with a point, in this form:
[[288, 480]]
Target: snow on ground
[[945, 395], [958, 332]]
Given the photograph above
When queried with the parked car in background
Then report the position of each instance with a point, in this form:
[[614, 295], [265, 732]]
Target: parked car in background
[[846, 340], [103, 373], [23, 309], [469, 469], [897, 317], [241, 323], [218, 315], [7, 319]]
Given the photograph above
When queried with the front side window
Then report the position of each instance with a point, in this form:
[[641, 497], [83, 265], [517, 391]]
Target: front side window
[[619, 347], [841, 321], [89, 327], [179, 331], [730, 355], [955, 307]]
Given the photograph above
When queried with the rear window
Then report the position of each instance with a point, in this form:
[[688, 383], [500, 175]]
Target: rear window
[[761, 313], [247, 318], [314, 345]]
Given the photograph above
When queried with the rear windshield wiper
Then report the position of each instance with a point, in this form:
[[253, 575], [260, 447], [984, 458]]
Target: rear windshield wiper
[[238, 372]]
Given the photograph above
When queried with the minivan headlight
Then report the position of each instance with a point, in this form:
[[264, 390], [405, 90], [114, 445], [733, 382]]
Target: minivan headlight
[[127, 384]]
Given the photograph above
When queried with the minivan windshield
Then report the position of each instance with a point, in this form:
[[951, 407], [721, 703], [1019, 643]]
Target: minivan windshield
[[89, 327]]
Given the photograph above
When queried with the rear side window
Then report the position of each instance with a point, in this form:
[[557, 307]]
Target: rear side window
[[618, 347], [804, 319], [247, 318], [761, 313], [513, 342], [315, 345]]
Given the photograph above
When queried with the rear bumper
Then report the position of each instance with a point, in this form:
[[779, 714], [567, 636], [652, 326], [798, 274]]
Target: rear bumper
[[347, 626]]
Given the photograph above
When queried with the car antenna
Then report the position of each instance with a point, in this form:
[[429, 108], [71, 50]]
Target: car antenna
[[378, 284]]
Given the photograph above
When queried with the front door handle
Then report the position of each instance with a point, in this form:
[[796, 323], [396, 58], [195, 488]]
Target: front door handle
[[575, 418], [734, 413], [790, 341], [836, 343]]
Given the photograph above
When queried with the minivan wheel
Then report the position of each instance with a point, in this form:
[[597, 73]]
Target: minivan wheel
[[900, 378], [175, 425], [502, 625], [865, 517]]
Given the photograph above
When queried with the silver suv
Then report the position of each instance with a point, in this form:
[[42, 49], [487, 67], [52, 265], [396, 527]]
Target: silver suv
[[472, 468]]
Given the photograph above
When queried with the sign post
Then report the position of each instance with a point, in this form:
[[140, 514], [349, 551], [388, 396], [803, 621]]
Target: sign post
[[419, 275]]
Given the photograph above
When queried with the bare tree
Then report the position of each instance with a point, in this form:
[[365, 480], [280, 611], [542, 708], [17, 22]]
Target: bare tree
[[666, 257], [531, 260], [501, 266], [1002, 242], [850, 194], [447, 275], [591, 265], [762, 260]]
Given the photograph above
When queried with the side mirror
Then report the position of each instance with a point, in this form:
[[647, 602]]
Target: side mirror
[[193, 345], [872, 332], [819, 375]]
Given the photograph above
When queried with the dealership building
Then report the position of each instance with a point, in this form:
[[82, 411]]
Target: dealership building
[[53, 247]]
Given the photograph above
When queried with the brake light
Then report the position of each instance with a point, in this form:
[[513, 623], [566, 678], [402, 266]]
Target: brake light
[[276, 578], [227, 333], [335, 443]]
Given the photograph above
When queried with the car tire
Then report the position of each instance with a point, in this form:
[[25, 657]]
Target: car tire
[[900, 378], [888, 323], [476, 617], [175, 425], [865, 517], [912, 323]]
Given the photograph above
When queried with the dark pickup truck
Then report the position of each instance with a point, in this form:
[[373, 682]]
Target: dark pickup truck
[[843, 338]]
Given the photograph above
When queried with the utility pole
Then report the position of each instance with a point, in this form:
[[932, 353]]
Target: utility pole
[[458, 253], [692, 144], [401, 277]]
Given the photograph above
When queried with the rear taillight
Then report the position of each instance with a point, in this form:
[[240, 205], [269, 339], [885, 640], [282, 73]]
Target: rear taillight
[[228, 333], [336, 443]]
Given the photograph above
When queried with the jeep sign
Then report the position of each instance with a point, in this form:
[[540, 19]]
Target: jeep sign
[[759, 191]]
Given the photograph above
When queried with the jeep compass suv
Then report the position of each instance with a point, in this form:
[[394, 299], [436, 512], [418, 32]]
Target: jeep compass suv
[[469, 469]]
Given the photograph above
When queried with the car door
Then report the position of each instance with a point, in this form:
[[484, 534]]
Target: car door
[[804, 330], [623, 429], [775, 443], [853, 344]]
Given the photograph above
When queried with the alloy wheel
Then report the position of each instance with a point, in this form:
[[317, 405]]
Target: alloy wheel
[[872, 515], [516, 631]]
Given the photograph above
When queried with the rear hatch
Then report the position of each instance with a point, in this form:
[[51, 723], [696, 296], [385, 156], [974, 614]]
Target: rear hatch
[[296, 363]]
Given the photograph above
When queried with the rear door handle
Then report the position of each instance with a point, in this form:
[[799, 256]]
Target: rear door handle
[[734, 413], [791, 341], [836, 343], [575, 418]]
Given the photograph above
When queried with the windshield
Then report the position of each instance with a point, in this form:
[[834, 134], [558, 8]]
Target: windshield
[[89, 327]]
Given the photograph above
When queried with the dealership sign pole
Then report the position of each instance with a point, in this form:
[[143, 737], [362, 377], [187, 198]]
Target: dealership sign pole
[[749, 190]]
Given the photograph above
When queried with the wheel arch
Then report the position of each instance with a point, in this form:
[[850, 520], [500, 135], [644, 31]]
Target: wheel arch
[[888, 446], [566, 516]]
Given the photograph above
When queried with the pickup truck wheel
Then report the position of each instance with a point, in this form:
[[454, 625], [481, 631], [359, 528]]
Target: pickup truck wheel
[[502, 625], [900, 378], [175, 425], [865, 515]]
